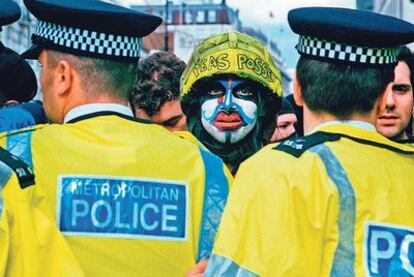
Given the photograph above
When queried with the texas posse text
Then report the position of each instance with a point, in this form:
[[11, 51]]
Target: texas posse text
[[222, 63]]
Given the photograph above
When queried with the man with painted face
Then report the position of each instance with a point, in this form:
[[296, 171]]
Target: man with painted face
[[230, 94]]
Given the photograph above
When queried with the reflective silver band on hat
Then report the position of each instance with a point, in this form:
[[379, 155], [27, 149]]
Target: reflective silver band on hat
[[341, 52], [89, 41]]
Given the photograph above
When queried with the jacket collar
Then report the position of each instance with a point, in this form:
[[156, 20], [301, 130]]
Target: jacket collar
[[363, 135], [84, 110]]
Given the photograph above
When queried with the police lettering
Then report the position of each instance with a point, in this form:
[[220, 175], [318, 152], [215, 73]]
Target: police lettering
[[122, 208], [293, 144], [220, 62], [257, 65], [147, 216], [123, 190], [390, 250]]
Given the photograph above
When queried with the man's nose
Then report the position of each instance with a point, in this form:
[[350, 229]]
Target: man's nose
[[390, 101], [291, 129], [228, 99]]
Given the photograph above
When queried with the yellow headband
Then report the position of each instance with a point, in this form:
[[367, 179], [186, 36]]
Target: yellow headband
[[232, 53]]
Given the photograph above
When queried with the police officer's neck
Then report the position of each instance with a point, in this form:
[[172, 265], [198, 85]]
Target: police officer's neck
[[98, 98], [311, 119]]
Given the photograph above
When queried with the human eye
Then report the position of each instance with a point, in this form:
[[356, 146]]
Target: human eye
[[172, 121], [215, 92], [244, 92], [401, 88], [283, 126]]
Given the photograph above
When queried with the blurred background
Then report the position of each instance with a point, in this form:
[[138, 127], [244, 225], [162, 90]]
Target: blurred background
[[187, 22]]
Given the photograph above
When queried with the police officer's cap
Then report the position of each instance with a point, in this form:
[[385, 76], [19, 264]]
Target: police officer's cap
[[17, 79], [89, 28], [339, 35], [9, 12]]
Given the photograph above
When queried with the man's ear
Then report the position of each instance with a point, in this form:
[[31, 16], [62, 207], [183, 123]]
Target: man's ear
[[297, 92], [64, 77]]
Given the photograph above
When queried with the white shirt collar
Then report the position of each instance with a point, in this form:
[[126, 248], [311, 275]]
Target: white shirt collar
[[355, 123], [97, 107]]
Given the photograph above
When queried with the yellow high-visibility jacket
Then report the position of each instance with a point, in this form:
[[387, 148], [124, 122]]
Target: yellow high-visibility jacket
[[339, 202], [111, 197], [189, 137]]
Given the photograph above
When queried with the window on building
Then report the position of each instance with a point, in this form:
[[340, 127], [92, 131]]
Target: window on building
[[212, 16], [25, 15], [188, 17], [200, 17], [170, 18]]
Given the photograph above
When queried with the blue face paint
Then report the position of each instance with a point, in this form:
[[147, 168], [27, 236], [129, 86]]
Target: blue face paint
[[228, 104], [230, 111]]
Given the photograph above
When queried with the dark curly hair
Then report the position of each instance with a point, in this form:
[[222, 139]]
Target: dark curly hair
[[158, 81], [407, 56]]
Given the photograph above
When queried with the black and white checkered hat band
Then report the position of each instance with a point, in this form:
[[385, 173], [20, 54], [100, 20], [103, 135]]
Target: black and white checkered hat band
[[328, 50], [89, 41]]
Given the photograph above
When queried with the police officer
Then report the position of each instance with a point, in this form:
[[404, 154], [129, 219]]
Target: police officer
[[101, 194], [336, 202], [17, 79]]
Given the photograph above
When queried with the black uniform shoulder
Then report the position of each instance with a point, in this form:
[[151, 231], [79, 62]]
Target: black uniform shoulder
[[23, 172], [297, 146]]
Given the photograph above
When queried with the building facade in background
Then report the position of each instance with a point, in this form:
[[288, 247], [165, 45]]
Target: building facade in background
[[17, 36], [403, 9], [190, 22], [365, 5]]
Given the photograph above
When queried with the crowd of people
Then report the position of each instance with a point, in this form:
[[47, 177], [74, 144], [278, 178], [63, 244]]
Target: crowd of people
[[152, 167]]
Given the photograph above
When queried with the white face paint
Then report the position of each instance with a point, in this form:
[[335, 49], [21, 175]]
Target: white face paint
[[226, 116]]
